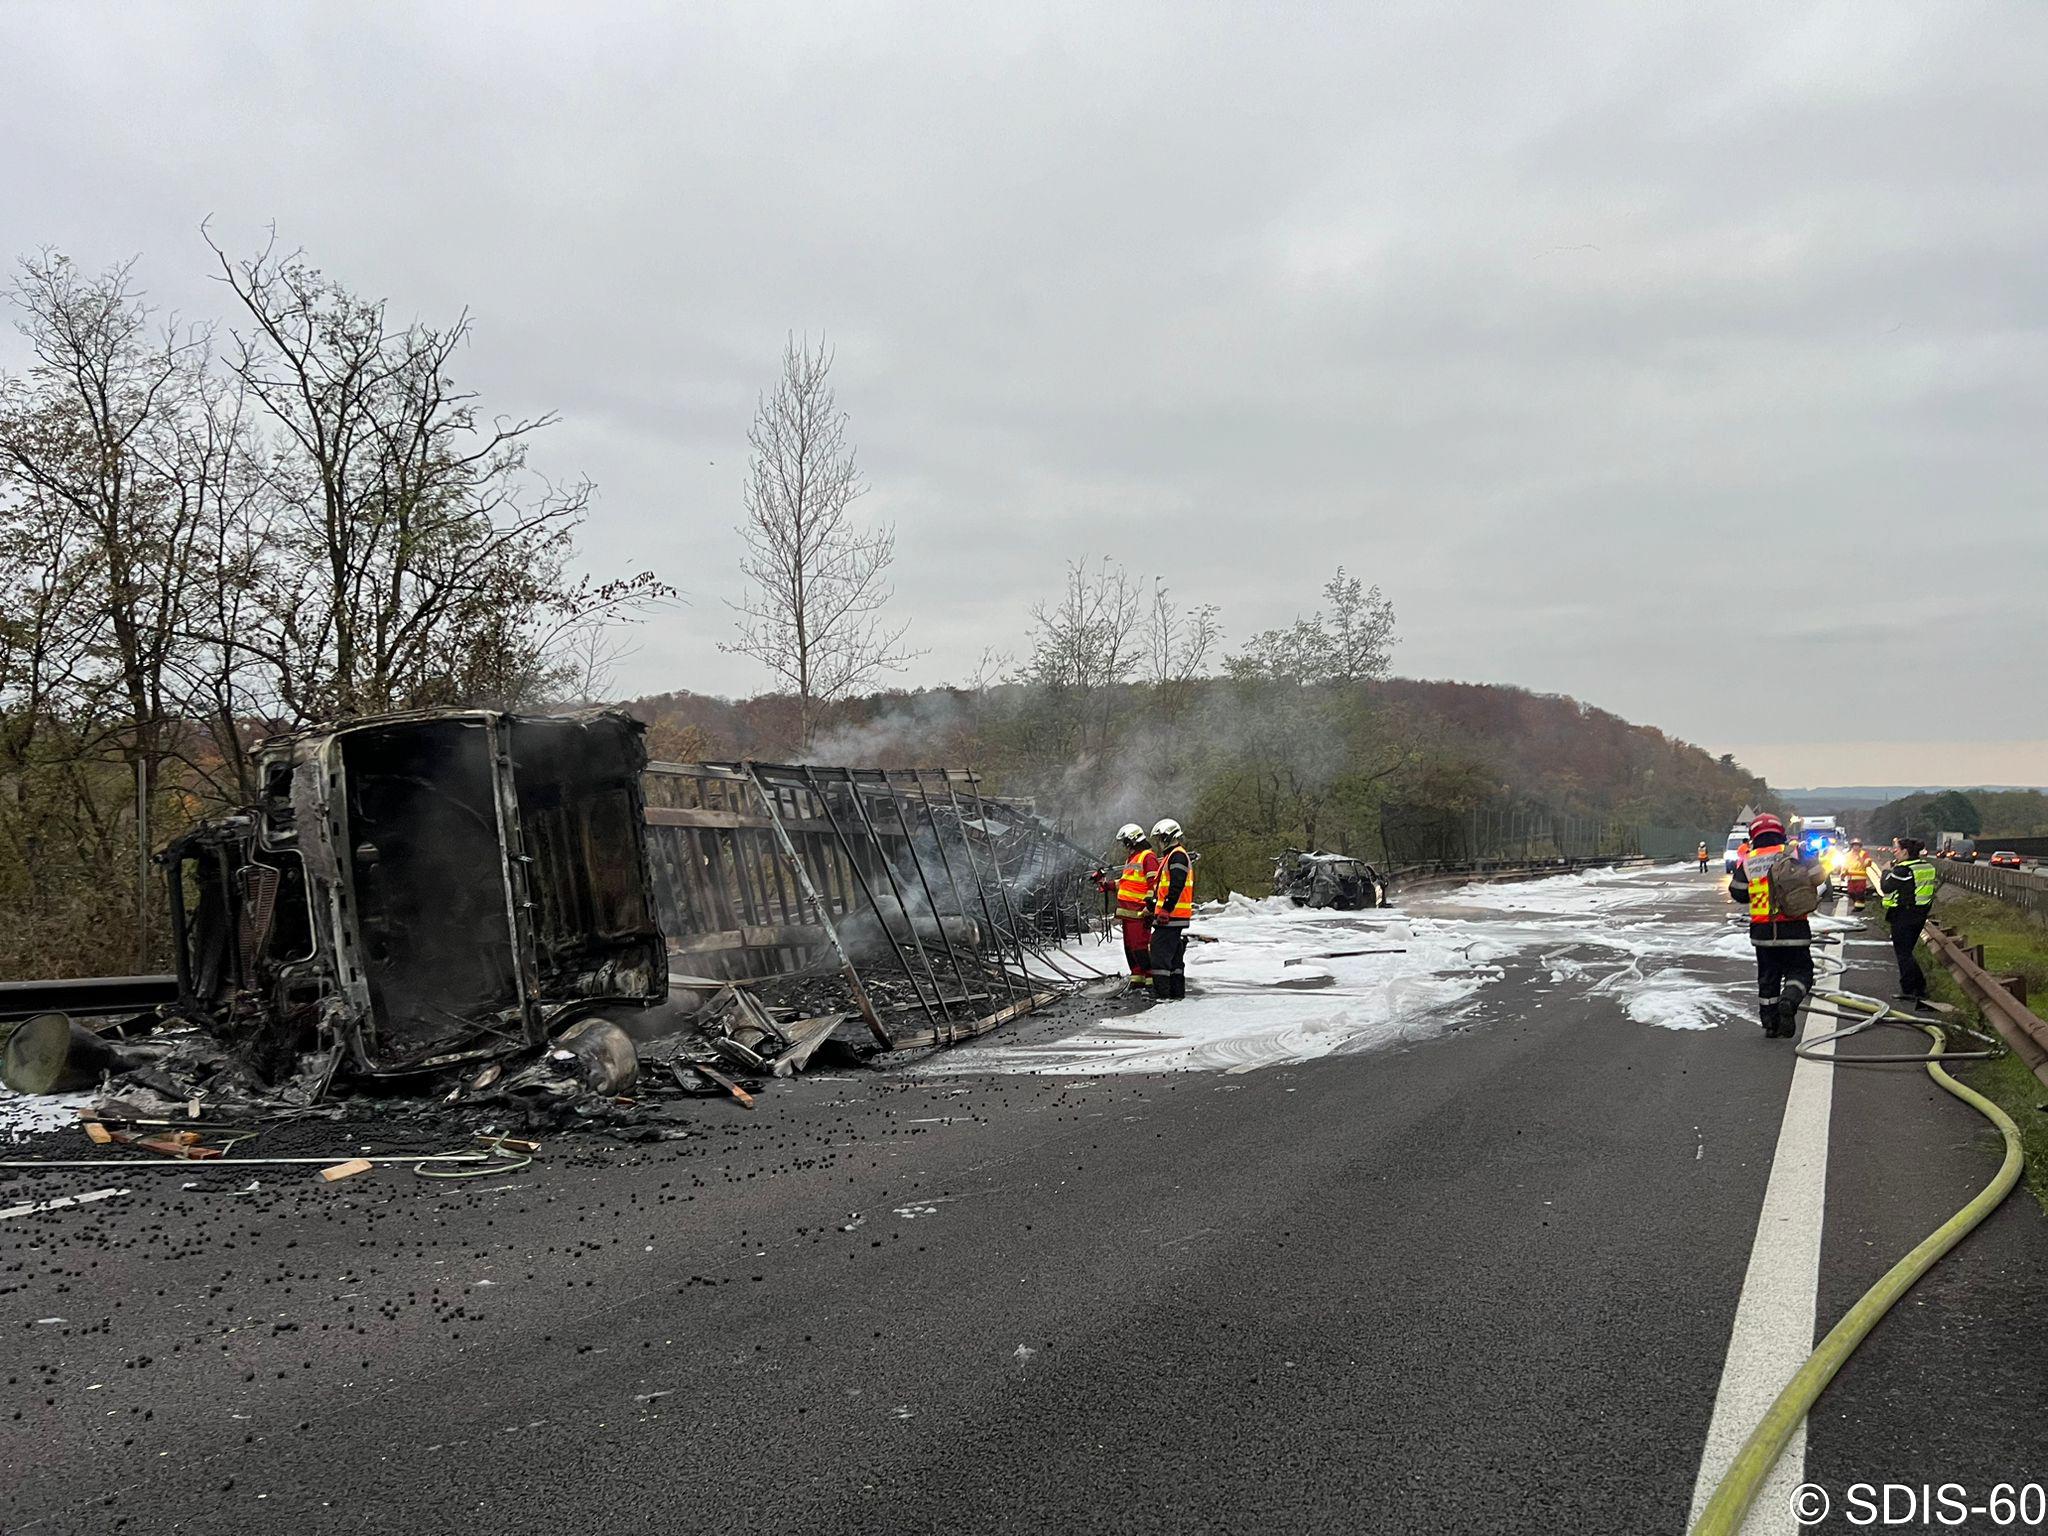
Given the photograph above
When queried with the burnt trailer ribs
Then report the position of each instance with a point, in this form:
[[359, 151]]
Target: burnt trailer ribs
[[414, 891], [907, 896]]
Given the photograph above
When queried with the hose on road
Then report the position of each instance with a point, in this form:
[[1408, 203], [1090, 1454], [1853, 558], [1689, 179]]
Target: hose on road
[[1739, 1485], [1869, 1013]]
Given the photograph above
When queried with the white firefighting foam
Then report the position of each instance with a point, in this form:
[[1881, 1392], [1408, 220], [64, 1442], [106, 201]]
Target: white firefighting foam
[[1284, 984], [22, 1114]]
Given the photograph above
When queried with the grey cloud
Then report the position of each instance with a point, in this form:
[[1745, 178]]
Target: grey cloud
[[1569, 325]]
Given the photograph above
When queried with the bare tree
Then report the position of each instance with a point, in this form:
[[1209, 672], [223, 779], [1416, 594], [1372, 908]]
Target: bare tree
[[196, 551], [1306, 734], [1085, 645], [91, 444], [1178, 644], [590, 653], [91, 438], [418, 560], [818, 578], [1178, 641], [1352, 643]]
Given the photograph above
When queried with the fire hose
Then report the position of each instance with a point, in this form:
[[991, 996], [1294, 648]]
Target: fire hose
[[1739, 1485]]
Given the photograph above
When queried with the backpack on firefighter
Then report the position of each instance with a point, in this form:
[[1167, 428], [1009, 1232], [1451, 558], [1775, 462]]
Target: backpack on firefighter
[[1790, 888]]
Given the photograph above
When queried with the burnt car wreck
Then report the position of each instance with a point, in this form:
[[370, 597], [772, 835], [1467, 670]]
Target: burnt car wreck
[[1332, 880], [471, 906]]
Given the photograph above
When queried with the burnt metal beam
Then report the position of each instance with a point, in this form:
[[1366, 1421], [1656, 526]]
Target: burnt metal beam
[[953, 953], [867, 891], [803, 879], [86, 995], [995, 860], [995, 932], [896, 887]]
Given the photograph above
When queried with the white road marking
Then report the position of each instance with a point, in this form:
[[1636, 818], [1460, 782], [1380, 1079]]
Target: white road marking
[[59, 1203], [1774, 1321]]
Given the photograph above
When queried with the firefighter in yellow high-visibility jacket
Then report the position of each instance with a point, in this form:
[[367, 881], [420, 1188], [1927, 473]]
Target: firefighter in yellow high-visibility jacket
[[1173, 908]]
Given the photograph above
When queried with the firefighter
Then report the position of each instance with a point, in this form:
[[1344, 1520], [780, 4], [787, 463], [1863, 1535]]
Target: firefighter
[[1134, 887], [1908, 895], [1784, 945], [1703, 858], [1856, 872], [1171, 910]]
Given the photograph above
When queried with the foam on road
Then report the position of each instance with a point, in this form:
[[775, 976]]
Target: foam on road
[[1284, 984]]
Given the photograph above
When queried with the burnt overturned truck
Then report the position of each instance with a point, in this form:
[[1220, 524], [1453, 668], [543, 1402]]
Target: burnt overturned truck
[[1327, 880], [415, 892], [525, 904]]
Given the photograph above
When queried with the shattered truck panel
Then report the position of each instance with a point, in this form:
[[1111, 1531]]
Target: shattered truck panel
[[429, 908], [582, 815], [422, 889]]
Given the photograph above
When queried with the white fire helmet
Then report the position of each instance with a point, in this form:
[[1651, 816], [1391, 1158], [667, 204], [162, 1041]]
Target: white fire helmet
[[1130, 834], [1166, 829]]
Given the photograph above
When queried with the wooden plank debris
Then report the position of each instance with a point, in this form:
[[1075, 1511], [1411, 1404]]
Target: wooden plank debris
[[712, 1074]]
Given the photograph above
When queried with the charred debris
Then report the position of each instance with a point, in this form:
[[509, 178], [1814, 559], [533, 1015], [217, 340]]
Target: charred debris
[[488, 909]]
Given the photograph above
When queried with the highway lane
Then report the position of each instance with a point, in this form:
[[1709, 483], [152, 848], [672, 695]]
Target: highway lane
[[1482, 1278]]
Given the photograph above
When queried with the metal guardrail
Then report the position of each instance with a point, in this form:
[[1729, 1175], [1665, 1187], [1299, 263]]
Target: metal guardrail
[[2017, 887], [2022, 1028]]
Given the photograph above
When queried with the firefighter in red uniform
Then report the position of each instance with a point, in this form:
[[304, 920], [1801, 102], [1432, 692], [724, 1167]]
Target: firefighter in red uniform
[[1134, 885]]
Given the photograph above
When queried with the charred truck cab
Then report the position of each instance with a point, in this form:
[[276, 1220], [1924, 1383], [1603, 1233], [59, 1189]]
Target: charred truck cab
[[415, 891]]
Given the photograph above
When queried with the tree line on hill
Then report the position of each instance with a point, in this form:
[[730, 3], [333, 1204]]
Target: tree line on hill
[[1396, 770], [1976, 813]]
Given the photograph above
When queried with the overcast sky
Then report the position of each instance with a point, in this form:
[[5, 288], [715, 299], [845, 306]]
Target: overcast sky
[[1573, 326]]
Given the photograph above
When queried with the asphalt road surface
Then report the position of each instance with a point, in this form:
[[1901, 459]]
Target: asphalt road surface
[[1476, 1277]]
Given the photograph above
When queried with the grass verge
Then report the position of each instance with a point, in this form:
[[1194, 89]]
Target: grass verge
[[2014, 944]]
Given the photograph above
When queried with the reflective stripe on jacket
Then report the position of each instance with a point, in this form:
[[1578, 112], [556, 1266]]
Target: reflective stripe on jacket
[[1135, 885], [1758, 870], [1917, 875], [1176, 888]]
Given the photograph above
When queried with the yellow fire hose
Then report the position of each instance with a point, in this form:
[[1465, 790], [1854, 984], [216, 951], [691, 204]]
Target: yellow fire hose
[[1737, 1490]]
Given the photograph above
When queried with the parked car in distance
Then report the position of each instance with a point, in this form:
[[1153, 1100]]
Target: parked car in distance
[[2005, 858]]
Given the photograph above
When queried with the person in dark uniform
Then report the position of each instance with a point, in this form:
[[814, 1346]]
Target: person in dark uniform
[[1907, 891], [1173, 908], [1784, 944]]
